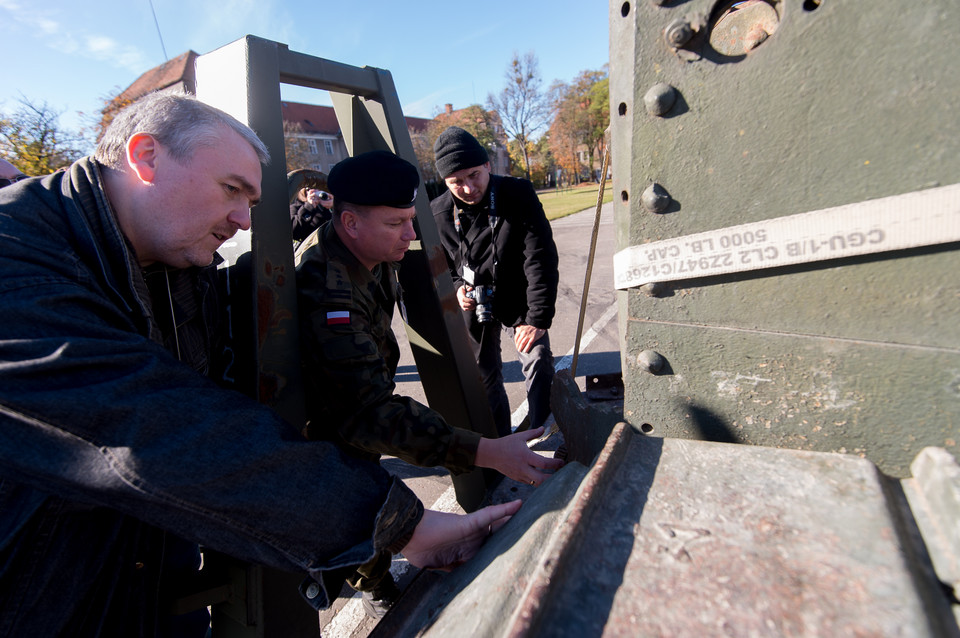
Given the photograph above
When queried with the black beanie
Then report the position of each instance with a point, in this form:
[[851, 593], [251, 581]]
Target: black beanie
[[456, 150]]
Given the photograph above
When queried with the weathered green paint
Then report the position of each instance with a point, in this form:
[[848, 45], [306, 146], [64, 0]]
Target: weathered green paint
[[672, 537], [845, 102]]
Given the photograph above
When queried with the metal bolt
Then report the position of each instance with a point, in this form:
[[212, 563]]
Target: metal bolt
[[659, 99], [653, 289], [655, 198], [651, 361], [678, 33]]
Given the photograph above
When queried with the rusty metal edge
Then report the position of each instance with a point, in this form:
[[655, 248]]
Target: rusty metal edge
[[526, 619]]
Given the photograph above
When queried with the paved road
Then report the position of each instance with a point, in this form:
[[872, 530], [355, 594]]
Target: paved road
[[599, 354]]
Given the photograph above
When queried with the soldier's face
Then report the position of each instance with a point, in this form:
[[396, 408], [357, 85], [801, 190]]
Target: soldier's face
[[469, 184], [384, 234]]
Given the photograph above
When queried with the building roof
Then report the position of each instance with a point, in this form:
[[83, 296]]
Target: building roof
[[313, 119], [180, 69], [322, 120]]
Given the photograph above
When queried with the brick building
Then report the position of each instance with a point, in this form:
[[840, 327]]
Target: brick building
[[316, 128]]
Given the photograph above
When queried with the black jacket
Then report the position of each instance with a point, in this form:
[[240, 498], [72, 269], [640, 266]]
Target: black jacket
[[306, 218], [526, 274]]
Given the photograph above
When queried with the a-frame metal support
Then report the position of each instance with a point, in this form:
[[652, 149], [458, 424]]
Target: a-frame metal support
[[244, 78]]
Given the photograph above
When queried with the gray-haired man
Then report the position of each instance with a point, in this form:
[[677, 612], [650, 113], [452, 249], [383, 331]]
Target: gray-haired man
[[117, 455]]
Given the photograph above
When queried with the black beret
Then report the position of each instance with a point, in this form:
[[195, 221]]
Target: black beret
[[376, 178], [456, 150]]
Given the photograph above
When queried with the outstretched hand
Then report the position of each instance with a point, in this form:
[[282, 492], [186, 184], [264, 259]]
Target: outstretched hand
[[443, 541], [511, 456]]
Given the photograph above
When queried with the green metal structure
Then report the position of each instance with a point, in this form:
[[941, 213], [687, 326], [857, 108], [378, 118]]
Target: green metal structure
[[727, 113], [728, 119], [828, 342]]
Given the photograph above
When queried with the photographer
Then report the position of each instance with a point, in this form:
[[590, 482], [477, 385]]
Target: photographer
[[500, 249], [310, 211]]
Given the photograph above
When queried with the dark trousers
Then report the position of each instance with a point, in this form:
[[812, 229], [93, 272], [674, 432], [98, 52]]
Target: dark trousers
[[537, 367]]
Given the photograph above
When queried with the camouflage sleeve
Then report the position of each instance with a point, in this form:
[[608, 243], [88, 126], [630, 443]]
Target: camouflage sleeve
[[350, 389]]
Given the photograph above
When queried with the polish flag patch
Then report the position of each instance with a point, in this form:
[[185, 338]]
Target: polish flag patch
[[337, 317]]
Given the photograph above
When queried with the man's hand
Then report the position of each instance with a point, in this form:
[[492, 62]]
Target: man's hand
[[443, 541], [525, 336], [466, 303], [510, 456]]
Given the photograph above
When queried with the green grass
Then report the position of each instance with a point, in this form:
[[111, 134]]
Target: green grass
[[559, 203]]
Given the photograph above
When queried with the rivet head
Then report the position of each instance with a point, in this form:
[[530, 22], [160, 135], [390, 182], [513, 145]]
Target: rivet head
[[659, 99], [313, 590], [653, 289], [678, 33], [651, 361], [655, 198]]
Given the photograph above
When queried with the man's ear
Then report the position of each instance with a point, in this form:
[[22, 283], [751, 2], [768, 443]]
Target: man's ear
[[142, 154], [349, 219]]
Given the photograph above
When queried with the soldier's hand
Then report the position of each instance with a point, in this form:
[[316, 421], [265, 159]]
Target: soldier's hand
[[510, 456], [443, 541], [525, 336], [466, 303]]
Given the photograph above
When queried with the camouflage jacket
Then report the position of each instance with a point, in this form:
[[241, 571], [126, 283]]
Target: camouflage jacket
[[350, 357]]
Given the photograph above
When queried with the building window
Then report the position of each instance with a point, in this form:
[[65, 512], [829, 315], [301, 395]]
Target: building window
[[328, 145], [317, 167], [313, 146]]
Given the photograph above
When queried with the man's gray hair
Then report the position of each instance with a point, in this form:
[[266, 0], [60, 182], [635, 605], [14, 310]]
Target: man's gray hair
[[180, 122]]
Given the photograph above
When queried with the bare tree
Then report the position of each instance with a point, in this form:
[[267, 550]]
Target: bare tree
[[523, 109], [565, 135], [423, 149], [580, 117], [113, 103], [295, 147], [32, 140]]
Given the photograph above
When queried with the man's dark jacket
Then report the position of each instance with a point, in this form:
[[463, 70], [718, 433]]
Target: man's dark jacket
[[108, 443], [526, 273]]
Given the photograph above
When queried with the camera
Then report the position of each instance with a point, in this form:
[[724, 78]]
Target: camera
[[483, 295]]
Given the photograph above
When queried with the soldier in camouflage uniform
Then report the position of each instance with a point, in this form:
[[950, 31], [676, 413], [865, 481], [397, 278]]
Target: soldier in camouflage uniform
[[347, 290]]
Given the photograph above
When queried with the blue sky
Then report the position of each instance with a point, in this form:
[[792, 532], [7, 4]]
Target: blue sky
[[72, 54]]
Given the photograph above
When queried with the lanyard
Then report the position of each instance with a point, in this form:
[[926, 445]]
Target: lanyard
[[492, 219]]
